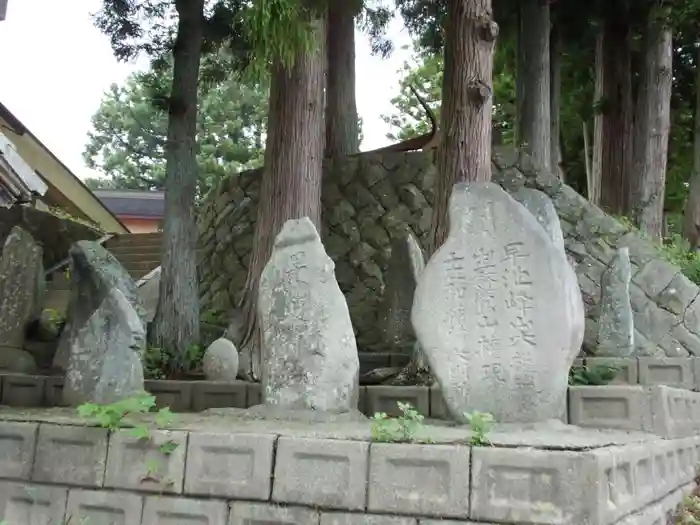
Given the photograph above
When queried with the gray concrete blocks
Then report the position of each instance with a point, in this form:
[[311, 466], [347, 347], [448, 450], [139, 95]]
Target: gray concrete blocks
[[385, 399], [179, 511], [620, 406], [20, 390], [675, 411], [626, 477], [428, 480], [208, 394], [230, 465], [530, 486], [174, 394], [343, 518], [628, 373], [438, 408], [17, 447], [243, 513], [670, 371], [139, 464], [321, 472], [78, 454], [32, 504], [95, 507]]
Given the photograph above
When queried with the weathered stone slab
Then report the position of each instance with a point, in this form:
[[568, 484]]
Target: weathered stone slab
[[309, 351], [105, 360], [405, 266], [21, 286], [616, 321], [498, 311], [94, 272]]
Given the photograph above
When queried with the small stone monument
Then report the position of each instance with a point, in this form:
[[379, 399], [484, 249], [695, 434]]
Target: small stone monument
[[104, 340], [616, 320], [498, 311], [21, 286], [405, 266], [308, 345]]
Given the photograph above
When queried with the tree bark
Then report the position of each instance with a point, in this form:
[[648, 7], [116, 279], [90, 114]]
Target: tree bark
[[533, 75], [691, 218], [291, 181], [464, 153], [612, 145], [653, 128], [176, 324], [342, 127], [555, 58]]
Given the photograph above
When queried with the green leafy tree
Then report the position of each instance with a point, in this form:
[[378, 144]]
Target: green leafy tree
[[127, 140], [425, 72]]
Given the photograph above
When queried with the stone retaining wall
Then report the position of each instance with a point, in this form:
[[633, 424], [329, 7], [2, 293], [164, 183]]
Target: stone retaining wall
[[54, 472], [371, 199]]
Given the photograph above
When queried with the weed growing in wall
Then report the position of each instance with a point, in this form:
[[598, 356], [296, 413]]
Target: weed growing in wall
[[402, 429], [581, 375], [481, 424]]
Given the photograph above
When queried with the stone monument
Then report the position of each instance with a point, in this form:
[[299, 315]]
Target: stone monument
[[497, 311], [309, 352]]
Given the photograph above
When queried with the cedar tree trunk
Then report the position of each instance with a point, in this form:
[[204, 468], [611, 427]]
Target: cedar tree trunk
[[555, 58], [691, 218], [176, 324], [652, 130], [533, 77], [612, 143], [342, 129], [291, 181], [464, 153]]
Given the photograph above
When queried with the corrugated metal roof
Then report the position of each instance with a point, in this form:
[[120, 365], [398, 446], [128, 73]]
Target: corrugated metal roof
[[133, 203]]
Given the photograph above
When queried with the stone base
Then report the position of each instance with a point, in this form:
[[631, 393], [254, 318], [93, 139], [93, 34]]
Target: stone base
[[228, 469]]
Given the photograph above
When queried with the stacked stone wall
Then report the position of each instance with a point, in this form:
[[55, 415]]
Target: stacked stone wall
[[369, 200]]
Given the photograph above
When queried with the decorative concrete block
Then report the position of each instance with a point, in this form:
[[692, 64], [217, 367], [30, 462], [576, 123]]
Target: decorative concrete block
[[344, 518], [208, 394], [53, 392], [140, 464], [24, 504], [626, 479], [666, 468], [22, 390], [429, 480], [670, 371], [17, 447], [70, 455], [243, 513], [628, 373], [179, 511], [321, 473], [254, 394], [530, 486], [674, 411], [174, 394], [623, 407], [96, 507], [438, 408], [230, 465], [385, 398]]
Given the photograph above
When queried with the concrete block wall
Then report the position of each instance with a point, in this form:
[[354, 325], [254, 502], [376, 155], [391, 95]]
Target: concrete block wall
[[662, 410], [51, 473]]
